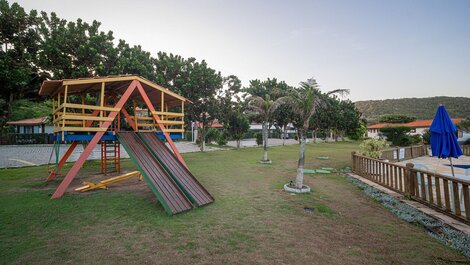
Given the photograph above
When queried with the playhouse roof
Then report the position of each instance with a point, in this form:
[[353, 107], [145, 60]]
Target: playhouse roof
[[117, 83]]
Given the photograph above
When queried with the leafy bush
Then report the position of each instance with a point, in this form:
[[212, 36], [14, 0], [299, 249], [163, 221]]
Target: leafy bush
[[222, 139], [259, 138], [372, 147], [426, 137], [398, 135], [467, 142], [212, 135]]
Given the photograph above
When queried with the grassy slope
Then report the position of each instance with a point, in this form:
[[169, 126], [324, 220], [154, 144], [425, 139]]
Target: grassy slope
[[252, 220]]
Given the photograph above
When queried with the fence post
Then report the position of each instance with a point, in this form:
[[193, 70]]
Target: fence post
[[409, 180], [353, 156]]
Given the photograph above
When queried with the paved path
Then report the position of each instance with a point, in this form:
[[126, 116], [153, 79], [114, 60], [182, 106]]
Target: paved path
[[31, 155]]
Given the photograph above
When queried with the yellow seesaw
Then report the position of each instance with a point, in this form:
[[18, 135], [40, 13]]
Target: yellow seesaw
[[104, 183]]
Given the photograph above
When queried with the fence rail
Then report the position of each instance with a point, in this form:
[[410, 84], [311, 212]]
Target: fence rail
[[446, 194], [404, 153]]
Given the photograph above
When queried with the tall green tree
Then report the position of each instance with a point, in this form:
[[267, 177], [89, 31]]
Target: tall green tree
[[305, 102], [238, 124], [464, 125], [75, 49], [349, 119], [271, 86], [19, 45]]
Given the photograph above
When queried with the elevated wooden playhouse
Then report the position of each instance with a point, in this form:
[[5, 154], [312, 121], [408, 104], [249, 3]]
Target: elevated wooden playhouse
[[92, 110]]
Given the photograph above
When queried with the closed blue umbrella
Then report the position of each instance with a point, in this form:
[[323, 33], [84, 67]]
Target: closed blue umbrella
[[444, 142]]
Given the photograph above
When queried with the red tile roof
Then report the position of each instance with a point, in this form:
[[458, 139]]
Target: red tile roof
[[34, 121], [213, 125], [413, 124]]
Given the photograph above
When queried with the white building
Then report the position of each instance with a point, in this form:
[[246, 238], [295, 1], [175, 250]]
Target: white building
[[417, 127]]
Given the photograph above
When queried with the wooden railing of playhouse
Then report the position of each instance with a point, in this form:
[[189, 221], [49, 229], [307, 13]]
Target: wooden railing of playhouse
[[443, 193], [173, 122], [404, 153], [87, 118]]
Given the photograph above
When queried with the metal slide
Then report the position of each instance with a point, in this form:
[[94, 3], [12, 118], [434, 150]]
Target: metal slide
[[162, 184], [183, 177]]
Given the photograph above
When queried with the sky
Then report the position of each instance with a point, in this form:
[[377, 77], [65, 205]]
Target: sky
[[378, 49]]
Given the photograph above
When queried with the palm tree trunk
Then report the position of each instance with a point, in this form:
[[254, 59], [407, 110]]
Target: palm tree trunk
[[299, 179], [265, 142]]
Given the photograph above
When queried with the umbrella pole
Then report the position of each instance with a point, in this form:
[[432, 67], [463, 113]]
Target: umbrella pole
[[451, 166]]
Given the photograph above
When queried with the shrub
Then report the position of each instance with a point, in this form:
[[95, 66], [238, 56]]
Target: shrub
[[222, 139], [372, 147], [212, 134], [426, 137], [259, 138], [398, 135]]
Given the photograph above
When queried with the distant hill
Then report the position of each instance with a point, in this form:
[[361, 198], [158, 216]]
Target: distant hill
[[421, 108]]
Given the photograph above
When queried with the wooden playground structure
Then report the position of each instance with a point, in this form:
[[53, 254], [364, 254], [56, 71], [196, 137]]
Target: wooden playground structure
[[96, 110]]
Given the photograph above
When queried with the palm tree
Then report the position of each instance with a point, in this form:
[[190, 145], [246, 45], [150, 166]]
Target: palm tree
[[264, 108], [304, 102]]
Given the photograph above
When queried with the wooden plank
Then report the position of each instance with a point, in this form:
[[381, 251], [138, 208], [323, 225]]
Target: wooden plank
[[455, 191], [174, 130], [430, 190], [446, 195], [81, 129], [466, 201], [423, 187], [90, 107], [400, 178], [438, 192], [395, 177], [165, 113], [86, 118], [171, 122]]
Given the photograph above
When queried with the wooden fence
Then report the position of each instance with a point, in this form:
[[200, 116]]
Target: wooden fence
[[445, 194], [466, 149], [404, 153]]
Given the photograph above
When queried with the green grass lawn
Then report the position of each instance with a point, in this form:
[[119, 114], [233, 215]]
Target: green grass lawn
[[251, 222]]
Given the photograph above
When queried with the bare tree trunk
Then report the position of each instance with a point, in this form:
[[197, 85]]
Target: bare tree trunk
[[299, 179], [265, 142], [314, 136], [238, 143], [284, 135], [203, 138]]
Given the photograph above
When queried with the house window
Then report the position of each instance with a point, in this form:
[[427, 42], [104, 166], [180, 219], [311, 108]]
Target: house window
[[28, 129]]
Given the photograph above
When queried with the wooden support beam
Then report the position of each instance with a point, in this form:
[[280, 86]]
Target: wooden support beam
[[65, 108], [90, 107], [102, 101]]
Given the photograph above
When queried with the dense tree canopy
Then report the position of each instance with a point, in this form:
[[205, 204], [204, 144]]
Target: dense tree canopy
[[396, 118]]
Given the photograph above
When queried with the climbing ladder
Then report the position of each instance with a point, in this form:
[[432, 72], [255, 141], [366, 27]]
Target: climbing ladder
[[110, 157]]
